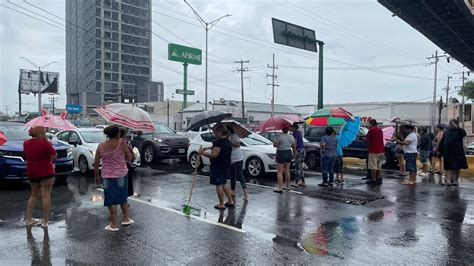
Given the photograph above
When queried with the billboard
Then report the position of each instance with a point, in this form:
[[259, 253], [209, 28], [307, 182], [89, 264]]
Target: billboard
[[33, 81], [293, 35]]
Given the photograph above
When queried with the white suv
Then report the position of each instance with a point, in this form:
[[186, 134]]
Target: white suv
[[259, 153]]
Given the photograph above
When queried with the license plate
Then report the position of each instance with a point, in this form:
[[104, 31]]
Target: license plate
[[181, 150]]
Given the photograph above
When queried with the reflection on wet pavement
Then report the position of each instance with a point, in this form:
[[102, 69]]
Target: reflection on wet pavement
[[426, 224]]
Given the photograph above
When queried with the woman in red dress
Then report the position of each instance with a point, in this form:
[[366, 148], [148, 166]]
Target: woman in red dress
[[39, 155]]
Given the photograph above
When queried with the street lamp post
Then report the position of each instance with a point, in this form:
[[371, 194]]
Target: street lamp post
[[39, 81], [207, 26]]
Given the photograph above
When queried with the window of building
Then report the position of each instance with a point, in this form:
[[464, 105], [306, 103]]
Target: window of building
[[108, 56], [107, 66], [107, 76], [108, 24], [107, 45], [107, 34], [107, 14]]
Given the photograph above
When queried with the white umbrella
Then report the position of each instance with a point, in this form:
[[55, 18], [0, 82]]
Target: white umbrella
[[127, 115]]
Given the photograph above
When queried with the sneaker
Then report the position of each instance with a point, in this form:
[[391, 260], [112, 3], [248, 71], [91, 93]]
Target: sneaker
[[423, 174], [331, 184], [323, 185], [342, 181], [379, 181]]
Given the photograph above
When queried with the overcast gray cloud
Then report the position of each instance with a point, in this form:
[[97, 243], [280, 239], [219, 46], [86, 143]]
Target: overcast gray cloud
[[357, 33]]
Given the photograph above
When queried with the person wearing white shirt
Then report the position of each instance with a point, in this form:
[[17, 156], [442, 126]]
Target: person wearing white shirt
[[237, 162], [410, 150]]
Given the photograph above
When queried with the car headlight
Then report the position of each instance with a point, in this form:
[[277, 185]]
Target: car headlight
[[69, 152], [157, 140], [272, 156], [135, 151]]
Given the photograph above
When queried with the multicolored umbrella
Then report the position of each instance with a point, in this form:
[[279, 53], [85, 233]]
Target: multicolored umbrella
[[238, 128], [51, 121], [329, 117], [335, 116], [387, 134], [273, 123], [127, 115]]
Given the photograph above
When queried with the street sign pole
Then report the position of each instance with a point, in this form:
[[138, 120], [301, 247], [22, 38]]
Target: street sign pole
[[185, 86], [320, 75]]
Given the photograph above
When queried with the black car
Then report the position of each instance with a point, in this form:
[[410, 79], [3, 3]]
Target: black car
[[357, 149], [164, 143]]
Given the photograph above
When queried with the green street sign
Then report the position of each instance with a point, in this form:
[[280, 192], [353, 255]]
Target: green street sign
[[188, 92], [184, 54]]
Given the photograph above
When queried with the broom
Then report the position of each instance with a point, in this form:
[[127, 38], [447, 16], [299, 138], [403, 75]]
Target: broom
[[187, 208]]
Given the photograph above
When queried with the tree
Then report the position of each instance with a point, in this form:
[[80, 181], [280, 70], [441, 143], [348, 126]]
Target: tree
[[468, 90]]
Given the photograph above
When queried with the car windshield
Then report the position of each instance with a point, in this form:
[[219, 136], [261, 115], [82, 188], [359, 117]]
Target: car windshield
[[14, 132], [255, 139], [93, 136], [162, 129]]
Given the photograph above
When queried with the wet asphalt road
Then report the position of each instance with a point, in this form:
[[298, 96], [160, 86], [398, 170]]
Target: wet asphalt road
[[426, 224]]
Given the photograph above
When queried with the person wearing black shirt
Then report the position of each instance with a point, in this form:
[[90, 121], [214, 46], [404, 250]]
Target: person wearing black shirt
[[220, 157], [424, 150]]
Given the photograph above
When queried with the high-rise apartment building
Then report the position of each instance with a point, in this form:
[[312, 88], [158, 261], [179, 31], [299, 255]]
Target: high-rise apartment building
[[108, 50]]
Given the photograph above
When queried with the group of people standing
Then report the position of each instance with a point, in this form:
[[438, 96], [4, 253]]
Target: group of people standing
[[226, 161], [111, 168], [443, 152]]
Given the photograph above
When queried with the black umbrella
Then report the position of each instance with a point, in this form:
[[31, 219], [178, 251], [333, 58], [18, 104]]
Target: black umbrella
[[207, 118]]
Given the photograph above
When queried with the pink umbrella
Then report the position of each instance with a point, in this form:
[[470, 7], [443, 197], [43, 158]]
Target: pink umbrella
[[387, 134], [273, 123], [3, 138], [127, 115], [294, 118], [51, 121]]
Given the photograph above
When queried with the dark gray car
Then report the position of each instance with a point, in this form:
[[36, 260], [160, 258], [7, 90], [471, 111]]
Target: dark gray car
[[164, 143]]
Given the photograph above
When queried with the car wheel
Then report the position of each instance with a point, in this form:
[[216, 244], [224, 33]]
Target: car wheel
[[312, 160], [193, 159], [83, 165], [148, 154], [255, 167]]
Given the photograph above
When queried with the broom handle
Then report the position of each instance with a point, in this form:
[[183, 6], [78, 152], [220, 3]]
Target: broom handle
[[198, 163]]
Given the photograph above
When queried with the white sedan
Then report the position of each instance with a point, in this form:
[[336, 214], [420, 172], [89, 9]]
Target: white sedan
[[84, 142], [259, 153]]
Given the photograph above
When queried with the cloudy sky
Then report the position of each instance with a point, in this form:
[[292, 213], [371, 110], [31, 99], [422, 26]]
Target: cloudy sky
[[369, 55]]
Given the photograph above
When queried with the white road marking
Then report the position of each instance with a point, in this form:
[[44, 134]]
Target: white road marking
[[262, 186], [181, 213]]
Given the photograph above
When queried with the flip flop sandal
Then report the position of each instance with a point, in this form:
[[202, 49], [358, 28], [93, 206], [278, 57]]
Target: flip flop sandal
[[278, 191], [44, 225], [109, 228], [130, 222], [32, 222], [294, 185], [286, 188], [229, 205], [302, 185], [217, 207]]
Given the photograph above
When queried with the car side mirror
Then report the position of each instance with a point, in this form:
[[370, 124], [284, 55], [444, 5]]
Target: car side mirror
[[74, 143]]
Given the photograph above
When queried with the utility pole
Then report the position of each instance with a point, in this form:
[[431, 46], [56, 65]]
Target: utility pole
[[461, 112], [436, 58], [168, 112], [274, 77], [242, 69], [440, 109], [207, 26], [53, 100], [447, 91], [6, 107]]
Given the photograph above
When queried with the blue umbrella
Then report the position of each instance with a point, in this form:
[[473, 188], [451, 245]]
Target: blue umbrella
[[347, 135]]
